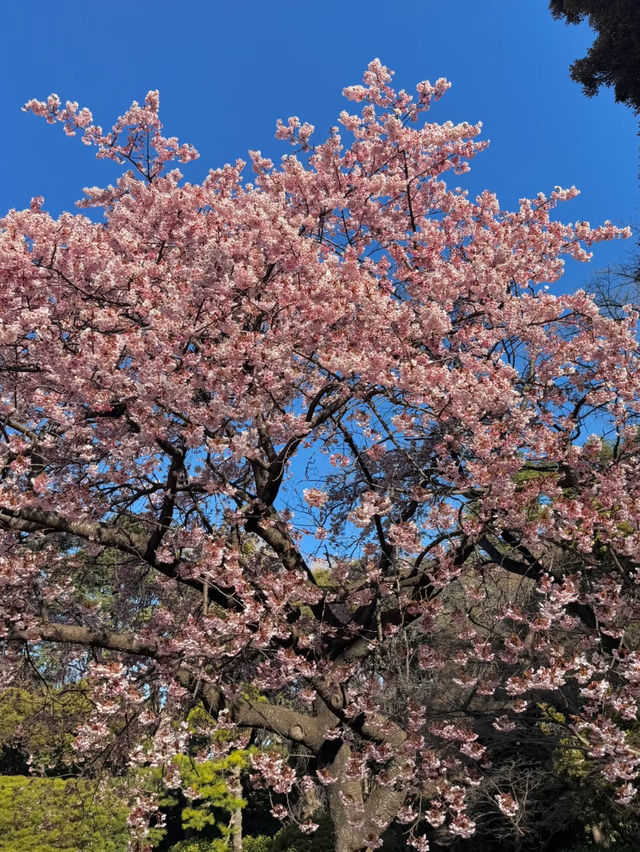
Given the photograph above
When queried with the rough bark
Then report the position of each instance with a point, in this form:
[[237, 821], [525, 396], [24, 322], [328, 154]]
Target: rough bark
[[345, 803]]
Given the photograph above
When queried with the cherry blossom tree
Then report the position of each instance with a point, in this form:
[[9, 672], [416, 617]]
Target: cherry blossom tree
[[323, 452]]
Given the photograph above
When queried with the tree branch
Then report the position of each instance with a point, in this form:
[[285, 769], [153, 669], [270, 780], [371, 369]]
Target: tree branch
[[73, 634], [287, 723]]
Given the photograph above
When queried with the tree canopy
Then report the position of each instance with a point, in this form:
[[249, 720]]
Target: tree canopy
[[321, 451], [614, 57]]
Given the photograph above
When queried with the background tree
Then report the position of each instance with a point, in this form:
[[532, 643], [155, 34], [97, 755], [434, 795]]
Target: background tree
[[346, 361], [614, 58]]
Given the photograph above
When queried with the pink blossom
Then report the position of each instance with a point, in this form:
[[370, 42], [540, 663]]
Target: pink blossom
[[175, 374]]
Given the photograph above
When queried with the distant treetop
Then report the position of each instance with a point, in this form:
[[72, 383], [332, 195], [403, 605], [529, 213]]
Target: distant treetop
[[614, 57]]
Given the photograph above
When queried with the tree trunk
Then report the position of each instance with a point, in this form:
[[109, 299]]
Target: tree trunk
[[346, 805], [235, 823], [356, 821]]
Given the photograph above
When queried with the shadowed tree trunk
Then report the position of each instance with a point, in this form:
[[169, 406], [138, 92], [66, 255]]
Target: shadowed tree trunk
[[346, 804]]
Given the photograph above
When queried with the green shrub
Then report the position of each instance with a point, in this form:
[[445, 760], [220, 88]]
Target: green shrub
[[291, 839], [257, 844], [58, 815], [196, 844]]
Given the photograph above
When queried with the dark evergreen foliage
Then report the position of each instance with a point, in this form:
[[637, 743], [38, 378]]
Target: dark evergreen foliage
[[614, 57]]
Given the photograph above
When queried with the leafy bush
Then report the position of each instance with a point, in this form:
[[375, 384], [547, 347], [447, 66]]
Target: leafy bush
[[257, 844], [291, 839], [59, 815]]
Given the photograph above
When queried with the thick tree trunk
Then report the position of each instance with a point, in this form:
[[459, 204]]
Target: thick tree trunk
[[356, 821], [346, 805]]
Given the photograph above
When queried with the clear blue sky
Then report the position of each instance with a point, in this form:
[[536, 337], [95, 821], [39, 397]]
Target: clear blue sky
[[227, 70]]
